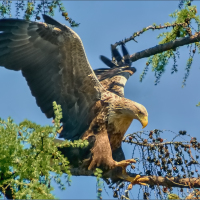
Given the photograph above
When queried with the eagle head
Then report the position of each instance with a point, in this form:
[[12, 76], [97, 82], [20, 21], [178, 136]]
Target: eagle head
[[140, 113], [130, 110]]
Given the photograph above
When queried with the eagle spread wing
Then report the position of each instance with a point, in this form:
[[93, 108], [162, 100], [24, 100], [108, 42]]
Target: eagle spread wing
[[53, 61]]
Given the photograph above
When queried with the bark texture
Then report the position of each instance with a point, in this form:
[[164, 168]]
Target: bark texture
[[167, 46]]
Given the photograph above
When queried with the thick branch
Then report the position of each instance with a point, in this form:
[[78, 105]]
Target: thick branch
[[150, 180], [170, 182], [164, 47]]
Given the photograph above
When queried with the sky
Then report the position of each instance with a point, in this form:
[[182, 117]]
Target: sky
[[103, 23]]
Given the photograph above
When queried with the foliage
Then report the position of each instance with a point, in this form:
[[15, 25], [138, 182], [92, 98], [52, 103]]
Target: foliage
[[185, 19], [34, 9], [98, 173], [198, 105], [173, 196], [28, 154], [5, 9]]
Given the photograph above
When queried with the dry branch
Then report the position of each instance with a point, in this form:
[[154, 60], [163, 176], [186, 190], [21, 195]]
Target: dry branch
[[152, 27], [154, 144]]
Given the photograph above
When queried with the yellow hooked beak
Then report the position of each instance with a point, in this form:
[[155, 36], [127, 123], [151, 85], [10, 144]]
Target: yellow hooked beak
[[144, 121]]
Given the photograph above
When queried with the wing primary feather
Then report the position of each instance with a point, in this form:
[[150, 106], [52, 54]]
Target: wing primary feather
[[126, 55], [107, 61], [56, 68], [15, 44], [115, 54], [4, 36], [3, 52]]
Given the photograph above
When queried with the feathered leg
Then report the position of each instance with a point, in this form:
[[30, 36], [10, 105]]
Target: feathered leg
[[102, 154]]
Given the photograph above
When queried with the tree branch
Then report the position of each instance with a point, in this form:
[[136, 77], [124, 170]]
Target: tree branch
[[152, 27], [167, 46], [154, 144], [170, 181], [149, 180]]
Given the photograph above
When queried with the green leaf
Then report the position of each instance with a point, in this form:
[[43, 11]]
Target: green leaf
[[173, 196]]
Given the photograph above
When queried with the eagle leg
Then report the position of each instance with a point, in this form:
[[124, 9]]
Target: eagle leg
[[102, 153], [102, 156]]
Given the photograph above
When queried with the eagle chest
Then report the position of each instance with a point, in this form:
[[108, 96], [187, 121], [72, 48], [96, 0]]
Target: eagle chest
[[116, 130]]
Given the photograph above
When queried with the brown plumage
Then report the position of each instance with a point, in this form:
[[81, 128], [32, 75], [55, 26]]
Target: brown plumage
[[52, 59]]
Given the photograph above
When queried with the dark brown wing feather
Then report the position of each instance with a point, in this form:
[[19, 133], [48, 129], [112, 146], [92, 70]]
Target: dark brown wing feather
[[53, 61], [115, 78]]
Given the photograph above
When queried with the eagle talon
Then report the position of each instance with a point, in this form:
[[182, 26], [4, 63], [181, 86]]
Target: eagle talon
[[133, 180], [124, 163], [136, 180]]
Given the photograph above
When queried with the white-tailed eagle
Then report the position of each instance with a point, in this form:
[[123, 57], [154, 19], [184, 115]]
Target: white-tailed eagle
[[52, 59]]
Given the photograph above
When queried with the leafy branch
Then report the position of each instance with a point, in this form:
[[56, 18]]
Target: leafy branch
[[34, 9], [27, 155]]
